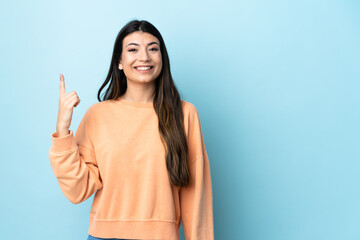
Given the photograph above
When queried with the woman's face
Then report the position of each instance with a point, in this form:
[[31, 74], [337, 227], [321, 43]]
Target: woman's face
[[141, 49]]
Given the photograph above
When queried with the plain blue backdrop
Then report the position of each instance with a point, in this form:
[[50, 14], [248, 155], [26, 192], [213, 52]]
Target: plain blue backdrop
[[276, 84]]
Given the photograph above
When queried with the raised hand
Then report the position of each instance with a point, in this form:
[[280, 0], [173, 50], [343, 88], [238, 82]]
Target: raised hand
[[67, 102]]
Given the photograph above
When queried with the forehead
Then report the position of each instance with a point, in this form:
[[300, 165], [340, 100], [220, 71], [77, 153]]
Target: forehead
[[142, 38]]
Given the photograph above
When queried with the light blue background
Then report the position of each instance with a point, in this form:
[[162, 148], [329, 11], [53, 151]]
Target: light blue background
[[276, 84]]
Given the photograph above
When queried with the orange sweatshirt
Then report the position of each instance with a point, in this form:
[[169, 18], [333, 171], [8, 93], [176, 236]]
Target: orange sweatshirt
[[117, 154]]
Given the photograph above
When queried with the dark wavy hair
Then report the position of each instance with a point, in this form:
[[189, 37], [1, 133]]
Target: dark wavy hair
[[167, 103]]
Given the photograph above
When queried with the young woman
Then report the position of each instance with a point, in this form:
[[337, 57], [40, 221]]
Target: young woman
[[140, 149]]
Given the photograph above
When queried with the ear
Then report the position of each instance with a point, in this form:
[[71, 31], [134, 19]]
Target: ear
[[120, 66]]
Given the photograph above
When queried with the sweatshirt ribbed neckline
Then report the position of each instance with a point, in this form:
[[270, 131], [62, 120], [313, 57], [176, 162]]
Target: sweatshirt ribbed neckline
[[135, 104]]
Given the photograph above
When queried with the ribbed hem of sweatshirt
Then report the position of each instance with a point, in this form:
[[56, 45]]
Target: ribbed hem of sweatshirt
[[63, 143], [134, 229]]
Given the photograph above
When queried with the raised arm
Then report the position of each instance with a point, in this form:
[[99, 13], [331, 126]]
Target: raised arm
[[72, 158]]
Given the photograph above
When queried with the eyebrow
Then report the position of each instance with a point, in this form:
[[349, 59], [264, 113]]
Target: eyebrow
[[148, 44]]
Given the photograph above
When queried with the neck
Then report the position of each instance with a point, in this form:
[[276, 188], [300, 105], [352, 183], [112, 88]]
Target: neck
[[139, 92]]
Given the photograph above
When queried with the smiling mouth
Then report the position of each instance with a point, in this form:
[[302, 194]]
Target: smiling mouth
[[144, 68]]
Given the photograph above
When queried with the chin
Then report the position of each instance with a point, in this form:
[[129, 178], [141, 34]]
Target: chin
[[146, 80]]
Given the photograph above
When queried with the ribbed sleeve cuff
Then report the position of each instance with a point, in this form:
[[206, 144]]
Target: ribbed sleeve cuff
[[63, 143]]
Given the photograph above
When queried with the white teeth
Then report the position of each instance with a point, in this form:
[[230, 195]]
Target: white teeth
[[143, 68]]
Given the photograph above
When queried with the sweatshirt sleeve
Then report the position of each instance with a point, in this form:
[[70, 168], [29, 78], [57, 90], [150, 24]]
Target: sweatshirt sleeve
[[196, 202], [72, 159]]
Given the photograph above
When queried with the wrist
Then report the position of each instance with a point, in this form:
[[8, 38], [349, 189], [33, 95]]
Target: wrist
[[61, 131]]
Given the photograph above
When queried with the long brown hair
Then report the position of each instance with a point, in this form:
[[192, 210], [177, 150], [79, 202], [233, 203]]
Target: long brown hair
[[167, 103]]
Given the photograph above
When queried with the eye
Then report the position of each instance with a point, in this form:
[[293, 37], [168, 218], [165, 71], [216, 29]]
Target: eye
[[131, 50], [154, 49]]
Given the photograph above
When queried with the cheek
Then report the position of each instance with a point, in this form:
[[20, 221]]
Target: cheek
[[127, 60], [159, 60]]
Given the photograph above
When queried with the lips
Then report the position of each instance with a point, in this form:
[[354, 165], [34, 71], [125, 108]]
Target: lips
[[144, 70]]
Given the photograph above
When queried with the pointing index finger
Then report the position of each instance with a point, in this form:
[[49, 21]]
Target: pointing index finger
[[62, 84]]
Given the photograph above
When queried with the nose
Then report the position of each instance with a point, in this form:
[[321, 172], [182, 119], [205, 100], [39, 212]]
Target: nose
[[144, 55]]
